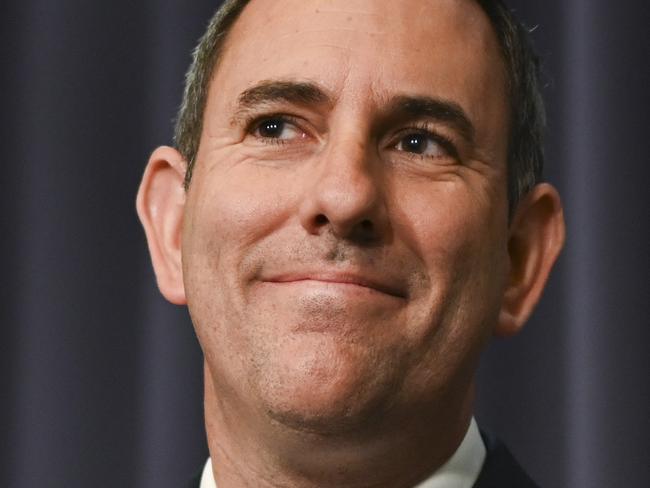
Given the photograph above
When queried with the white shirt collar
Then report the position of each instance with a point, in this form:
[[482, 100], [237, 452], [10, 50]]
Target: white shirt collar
[[207, 478], [460, 471]]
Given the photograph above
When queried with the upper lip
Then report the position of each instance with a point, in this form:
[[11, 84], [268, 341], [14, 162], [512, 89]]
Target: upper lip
[[367, 280]]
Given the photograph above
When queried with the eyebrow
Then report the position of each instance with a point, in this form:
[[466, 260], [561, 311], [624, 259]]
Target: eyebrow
[[444, 111], [307, 93], [270, 91]]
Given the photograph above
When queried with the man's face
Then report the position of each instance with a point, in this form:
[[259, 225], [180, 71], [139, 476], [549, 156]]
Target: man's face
[[345, 235]]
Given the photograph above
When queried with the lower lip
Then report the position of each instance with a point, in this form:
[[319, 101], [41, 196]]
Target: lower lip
[[324, 306]]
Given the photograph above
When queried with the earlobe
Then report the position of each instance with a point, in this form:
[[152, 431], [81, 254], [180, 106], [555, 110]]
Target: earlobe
[[160, 204], [536, 238]]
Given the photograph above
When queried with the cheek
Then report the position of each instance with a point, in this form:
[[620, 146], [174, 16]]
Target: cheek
[[437, 224], [227, 211], [231, 206], [459, 230], [461, 239]]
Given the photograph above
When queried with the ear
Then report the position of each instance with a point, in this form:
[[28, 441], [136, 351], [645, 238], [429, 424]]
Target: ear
[[536, 237], [160, 204]]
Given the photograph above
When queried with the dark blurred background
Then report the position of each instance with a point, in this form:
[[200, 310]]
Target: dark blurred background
[[102, 379]]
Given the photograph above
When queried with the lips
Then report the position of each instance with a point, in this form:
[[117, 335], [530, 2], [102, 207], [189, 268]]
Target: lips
[[379, 284]]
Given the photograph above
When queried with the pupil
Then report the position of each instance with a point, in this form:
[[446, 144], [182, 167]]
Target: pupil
[[415, 143], [271, 128]]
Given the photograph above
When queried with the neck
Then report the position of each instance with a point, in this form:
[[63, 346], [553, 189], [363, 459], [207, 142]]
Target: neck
[[249, 449]]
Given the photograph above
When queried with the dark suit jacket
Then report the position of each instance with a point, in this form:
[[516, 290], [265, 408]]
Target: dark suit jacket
[[500, 470]]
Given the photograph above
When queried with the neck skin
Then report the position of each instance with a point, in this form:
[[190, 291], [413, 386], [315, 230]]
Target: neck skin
[[248, 449]]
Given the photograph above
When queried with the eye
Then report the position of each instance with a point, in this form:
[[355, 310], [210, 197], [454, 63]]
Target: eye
[[422, 144], [277, 128]]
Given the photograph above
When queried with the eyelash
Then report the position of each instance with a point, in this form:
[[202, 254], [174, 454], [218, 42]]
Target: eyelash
[[421, 128]]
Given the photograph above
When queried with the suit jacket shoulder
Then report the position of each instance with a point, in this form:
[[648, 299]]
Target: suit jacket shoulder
[[501, 469]]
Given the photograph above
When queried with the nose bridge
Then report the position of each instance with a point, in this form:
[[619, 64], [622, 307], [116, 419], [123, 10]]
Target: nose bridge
[[347, 164], [347, 191], [348, 159]]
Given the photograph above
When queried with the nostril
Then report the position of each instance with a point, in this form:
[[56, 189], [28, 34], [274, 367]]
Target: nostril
[[366, 225], [321, 219]]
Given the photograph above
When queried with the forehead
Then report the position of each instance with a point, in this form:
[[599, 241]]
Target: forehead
[[369, 50]]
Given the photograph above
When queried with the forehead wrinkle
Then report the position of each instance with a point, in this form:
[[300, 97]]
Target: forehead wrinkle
[[310, 20], [348, 12], [342, 29]]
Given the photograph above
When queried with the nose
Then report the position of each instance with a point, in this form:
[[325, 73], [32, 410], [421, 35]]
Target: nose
[[346, 196]]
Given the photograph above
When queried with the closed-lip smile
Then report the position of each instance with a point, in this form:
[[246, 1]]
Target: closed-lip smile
[[342, 278]]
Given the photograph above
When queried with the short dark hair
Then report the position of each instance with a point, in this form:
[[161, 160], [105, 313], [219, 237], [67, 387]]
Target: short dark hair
[[527, 114]]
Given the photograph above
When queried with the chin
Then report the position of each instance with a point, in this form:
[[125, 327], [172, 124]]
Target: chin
[[323, 387]]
